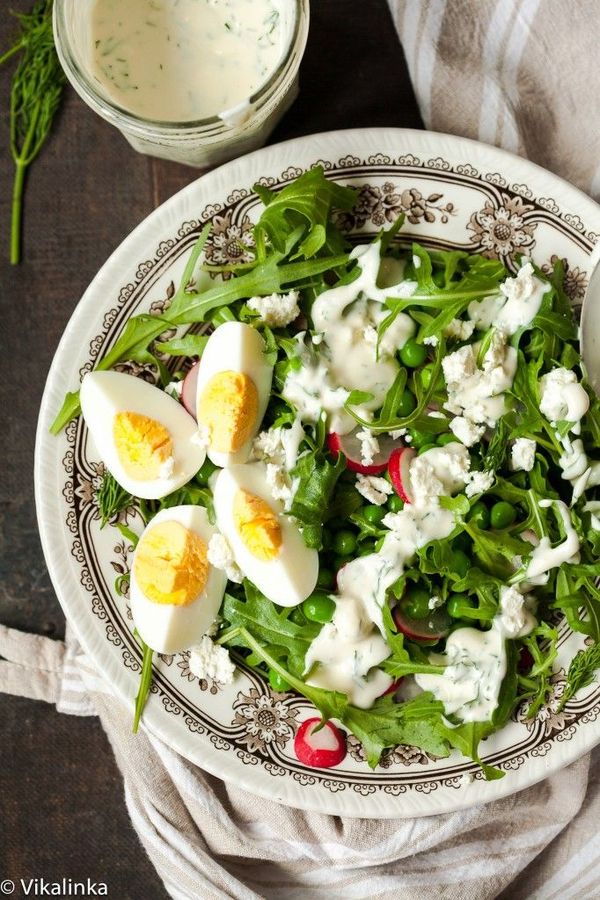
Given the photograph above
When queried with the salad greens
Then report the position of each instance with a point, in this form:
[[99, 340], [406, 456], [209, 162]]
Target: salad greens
[[297, 246]]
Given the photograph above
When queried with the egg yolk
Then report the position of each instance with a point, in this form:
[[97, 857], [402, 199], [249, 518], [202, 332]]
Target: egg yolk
[[143, 445], [228, 406], [171, 565], [257, 525]]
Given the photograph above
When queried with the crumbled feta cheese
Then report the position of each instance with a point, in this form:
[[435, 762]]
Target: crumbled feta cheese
[[201, 437], [208, 660], [483, 312], [416, 261], [478, 393], [524, 294], [459, 330], [466, 432], [369, 446], [375, 490], [431, 341], [277, 310], [279, 448], [459, 365], [515, 619], [466, 779], [174, 389], [220, 555], [435, 602], [317, 339], [478, 483], [438, 472], [370, 335], [397, 434], [522, 455], [279, 483], [562, 397]]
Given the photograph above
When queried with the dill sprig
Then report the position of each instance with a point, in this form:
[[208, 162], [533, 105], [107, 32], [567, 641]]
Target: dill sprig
[[111, 499], [35, 95], [145, 685]]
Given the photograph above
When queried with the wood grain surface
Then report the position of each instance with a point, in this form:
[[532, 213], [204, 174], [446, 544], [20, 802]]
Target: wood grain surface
[[61, 798]]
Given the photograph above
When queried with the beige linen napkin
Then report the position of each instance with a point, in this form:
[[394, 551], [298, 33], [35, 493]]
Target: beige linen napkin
[[211, 840], [520, 74]]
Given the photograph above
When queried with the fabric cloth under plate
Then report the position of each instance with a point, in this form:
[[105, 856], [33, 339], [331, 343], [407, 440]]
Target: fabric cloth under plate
[[208, 839]]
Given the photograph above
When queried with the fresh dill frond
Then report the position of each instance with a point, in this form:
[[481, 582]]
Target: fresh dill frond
[[111, 499]]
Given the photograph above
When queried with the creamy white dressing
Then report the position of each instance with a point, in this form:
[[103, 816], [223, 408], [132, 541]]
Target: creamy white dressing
[[475, 667], [185, 60], [516, 306], [545, 556], [346, 650], [348, 358]]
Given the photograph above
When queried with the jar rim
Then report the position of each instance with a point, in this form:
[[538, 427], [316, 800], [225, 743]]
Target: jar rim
[[113, 111]]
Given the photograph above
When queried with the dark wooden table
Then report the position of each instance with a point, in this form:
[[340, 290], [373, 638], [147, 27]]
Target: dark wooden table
[[61, 799]]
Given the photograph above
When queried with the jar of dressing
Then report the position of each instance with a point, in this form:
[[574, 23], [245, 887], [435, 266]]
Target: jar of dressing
[[194, 81]]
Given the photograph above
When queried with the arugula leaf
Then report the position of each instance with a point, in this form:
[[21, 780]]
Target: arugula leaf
[[188, 345], [318, 477]]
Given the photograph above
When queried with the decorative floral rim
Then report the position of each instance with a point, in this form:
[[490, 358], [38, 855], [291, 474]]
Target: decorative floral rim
[[437, 193]]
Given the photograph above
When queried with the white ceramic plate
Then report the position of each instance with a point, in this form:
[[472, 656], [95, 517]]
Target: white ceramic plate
[[455, 193]]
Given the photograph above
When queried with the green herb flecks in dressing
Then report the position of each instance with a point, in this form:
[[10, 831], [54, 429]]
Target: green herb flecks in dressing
[[343, 655], [348, 358], [183, 60]]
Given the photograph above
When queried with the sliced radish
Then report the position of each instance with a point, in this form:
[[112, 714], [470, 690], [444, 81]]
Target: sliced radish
[[525, 661], [320, 748], [398, 467], [351, 447], [393, 687], [188, 391], [432, 628]]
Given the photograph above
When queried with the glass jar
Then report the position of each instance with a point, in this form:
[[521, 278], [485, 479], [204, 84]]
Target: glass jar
[[202, 143]]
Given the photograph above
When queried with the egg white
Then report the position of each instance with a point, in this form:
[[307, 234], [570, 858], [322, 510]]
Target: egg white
[[236, 347], [167, 628], [291, 576], [104, 394]]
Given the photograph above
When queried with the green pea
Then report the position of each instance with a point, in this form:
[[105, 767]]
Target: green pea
[[344, 542], [318, 608], [408, 401], [413, 354], [502, 514], [297, 616], [480, 515], [458, 603], [418, 438], [277, 682], [426, 375], [425, 448], [373, 514], [325, 578], [395, 503], [460, 563], [445, 439], [416, 603]]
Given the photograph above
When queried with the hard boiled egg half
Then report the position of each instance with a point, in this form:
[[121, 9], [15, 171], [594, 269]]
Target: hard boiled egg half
[[145, 438], [175, 592], [234, 386], [267, 544]]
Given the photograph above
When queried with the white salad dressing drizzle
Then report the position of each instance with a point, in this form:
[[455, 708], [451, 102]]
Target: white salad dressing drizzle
[[348, 359], [189, 60], [346, 649], [516, 306], [545, 556], [476, 661]]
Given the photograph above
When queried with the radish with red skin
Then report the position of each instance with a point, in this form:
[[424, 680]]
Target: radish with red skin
[[433, 628], [399, 469], [351, 447], [319, 747], [188, 391], [393, 687]]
